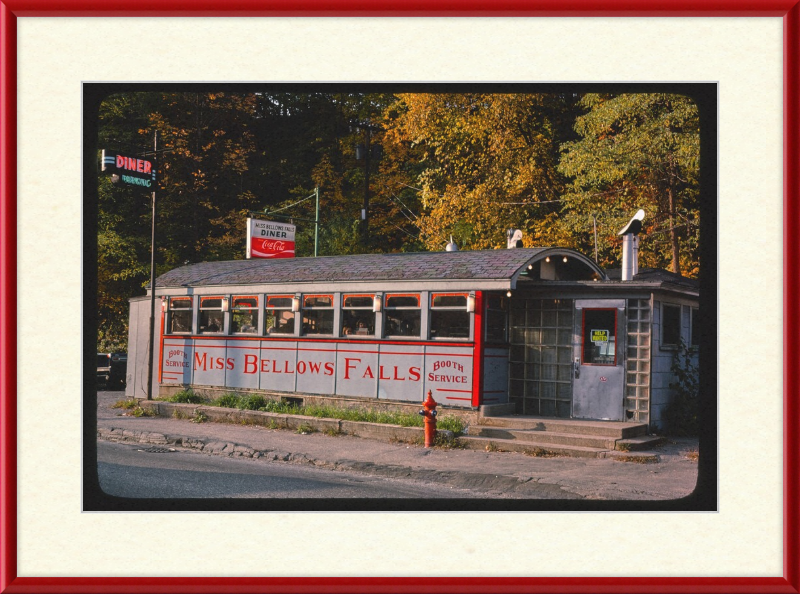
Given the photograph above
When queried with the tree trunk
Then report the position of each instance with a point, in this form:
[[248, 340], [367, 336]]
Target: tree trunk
[[673, 234]]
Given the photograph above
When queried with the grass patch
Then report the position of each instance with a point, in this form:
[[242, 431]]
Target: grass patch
[[187, 396], [260, 403], [127, 404]]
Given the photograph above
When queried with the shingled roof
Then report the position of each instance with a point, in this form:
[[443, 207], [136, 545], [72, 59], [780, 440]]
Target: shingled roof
[[421, 266]]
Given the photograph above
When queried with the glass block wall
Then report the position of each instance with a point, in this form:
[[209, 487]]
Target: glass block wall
[[637, 377], [540, 372]]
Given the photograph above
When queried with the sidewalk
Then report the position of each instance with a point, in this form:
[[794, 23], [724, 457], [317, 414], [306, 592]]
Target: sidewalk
[[497, 474]]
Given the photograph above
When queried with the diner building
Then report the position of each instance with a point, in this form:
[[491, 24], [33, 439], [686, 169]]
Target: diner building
[[531, 331]]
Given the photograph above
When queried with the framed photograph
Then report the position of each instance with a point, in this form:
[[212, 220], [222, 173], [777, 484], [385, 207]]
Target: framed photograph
[[743, 536]]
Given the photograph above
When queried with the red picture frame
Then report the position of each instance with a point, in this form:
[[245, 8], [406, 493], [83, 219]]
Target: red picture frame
[[789, 10]]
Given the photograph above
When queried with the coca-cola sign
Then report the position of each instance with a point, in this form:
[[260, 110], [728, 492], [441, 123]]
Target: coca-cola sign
[[268, 239]]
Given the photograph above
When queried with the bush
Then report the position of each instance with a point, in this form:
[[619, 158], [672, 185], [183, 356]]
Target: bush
[[683, 413], [252, 402], [227, 401]]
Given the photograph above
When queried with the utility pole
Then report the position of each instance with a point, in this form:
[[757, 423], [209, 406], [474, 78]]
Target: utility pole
[[151, 343], [367, 156], [365, 210], [316, 222]]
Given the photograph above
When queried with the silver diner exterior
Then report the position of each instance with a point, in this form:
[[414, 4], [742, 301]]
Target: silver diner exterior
[[542, 331]]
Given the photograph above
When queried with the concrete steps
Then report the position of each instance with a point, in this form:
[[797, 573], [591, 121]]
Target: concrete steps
[[616, 429], [545, 436]]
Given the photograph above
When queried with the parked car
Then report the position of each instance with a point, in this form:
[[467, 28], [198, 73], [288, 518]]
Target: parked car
[[111, 369]]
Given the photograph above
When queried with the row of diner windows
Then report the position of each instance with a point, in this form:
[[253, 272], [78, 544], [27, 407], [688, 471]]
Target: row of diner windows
[[447, 317]]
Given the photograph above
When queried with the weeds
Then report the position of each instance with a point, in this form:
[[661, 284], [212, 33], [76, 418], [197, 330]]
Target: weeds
[[142, 412], [179, 414], [304, 429], [623, 447], [187, 396], [199, 417], [540, 453], [127, 404], [492, 447], [692, 455]]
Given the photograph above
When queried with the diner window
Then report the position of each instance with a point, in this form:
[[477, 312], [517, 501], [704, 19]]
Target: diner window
[[180, 315], [695, 327], [318, 314], [670, 325], [244, 316], [358, 317], [211, 315], [280, 317], [599, 337], [449, 316], [496, 318], [402, 315]]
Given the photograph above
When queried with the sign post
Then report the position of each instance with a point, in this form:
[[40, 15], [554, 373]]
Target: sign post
[[134, 171], [152, 275]]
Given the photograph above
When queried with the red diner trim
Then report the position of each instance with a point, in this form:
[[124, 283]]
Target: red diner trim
[[477, 352], [583, 335], [161, 347], [392, 295]]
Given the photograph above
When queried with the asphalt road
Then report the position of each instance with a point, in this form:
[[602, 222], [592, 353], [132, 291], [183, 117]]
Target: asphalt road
[[129, 471]]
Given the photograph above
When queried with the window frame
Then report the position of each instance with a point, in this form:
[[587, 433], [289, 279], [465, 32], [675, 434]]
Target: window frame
[[445, 308], [288, 308], [171, 309], [504, 300], [201, 309], [617, 359], [670, 346], [390, 308], [235, 308], [304, 307], [369, 308]]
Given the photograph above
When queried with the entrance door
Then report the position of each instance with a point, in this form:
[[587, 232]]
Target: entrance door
[[598, 383]]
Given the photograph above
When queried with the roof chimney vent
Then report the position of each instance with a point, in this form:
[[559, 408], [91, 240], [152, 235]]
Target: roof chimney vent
[[451, 247], [630, 246], [513, 238]]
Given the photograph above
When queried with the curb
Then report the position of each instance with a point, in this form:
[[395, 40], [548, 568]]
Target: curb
[[216, 414], [453, 478]]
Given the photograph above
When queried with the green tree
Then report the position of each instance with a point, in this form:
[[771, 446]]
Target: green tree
[[636, 151]]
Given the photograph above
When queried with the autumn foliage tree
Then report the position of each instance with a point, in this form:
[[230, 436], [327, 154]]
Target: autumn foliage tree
[[488, 162]]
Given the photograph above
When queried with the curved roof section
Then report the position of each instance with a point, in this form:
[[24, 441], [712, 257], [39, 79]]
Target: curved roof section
[[505, 265]]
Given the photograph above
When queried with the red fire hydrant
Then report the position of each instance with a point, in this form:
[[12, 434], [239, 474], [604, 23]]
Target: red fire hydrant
[[429, 412]]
